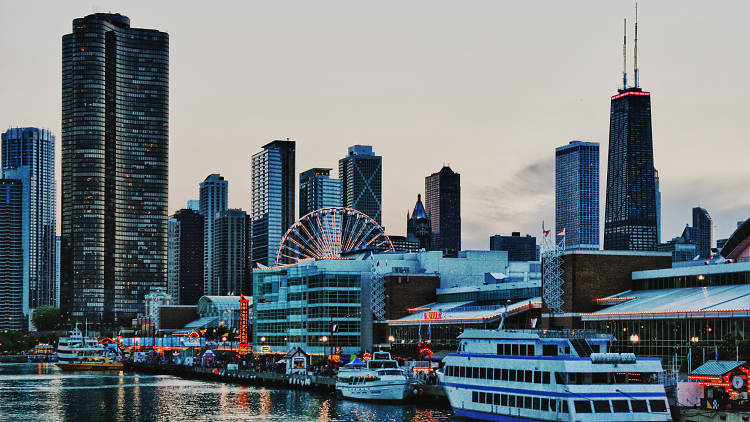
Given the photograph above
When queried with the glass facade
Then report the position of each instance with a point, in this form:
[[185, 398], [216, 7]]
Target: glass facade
[[442, 200], [703, 232], [272, 199], [115, 126], [212, 200], [361, 174], [630, 217], [298, 306], [317, 190], [28, 154], [185, 283], [230, 254], [519, 248], [577, 194], [11, 255]]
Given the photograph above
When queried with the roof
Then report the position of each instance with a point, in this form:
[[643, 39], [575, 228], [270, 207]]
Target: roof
[[717, 368], [419, 211], [463, 312], [689, 302], [295, 351], [738, 242], [221, 303], [200, 323]]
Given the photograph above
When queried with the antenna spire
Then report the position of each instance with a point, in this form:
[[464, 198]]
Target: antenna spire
[[635, 51], [624, 54]]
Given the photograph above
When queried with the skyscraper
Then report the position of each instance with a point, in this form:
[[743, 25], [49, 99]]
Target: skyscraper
[[115, 128], [361, 174], [11, 255], [418, 226], [519, 248], [213, 200], [186, 234], [230, 256], [657, 195], [28, 154], [272, 199], [630, 217], [442, 200], [703, 231], [317, 190], [577, 194]]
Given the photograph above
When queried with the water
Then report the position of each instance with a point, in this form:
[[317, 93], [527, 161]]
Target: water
[[30, 392]]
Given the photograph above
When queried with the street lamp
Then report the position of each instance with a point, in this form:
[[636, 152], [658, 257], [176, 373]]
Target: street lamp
[[262, 339], [391, 339], [634, 338], [324, 339]]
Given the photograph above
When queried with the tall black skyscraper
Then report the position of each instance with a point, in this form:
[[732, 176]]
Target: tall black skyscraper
[[186, 256], [630, 217], [361, 174], [442, 200], [115, 116], [11, 255]]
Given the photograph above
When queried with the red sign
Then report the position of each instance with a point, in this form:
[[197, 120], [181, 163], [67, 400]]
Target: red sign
[[433, 315]]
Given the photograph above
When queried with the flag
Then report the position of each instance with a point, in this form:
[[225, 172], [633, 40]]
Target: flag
[[334, 328], [561, 232], [716, 352], [545, 232], [704, 355]]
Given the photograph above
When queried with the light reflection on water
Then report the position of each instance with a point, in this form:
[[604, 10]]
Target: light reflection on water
[[42, 392]]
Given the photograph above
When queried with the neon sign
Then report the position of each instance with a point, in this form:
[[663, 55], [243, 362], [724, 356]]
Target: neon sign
[[433, 315]]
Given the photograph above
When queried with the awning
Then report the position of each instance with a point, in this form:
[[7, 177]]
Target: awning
[[717, 368]]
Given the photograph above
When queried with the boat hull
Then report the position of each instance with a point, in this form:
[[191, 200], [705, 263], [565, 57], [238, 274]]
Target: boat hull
[[374, 391], [109, 366]]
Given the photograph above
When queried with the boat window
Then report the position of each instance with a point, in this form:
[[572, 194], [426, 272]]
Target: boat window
[[511, 400], [527, 402], [506, 349], [503, 400], [475, 396], [565, 407], [482, 397], [549, 350], [463, 372], [530, 351], [483, 373], [601, 406], [536, 404], [511, 375], [498, 374], [504, 375], [537, 377], [497, 399], [620, 406], [475, 372], [529, 376], [639, 406], [545, 404], [582, 406], [657, 405], [567, 350], [599, 378], [514, 349], [545, 377], [522, 350]]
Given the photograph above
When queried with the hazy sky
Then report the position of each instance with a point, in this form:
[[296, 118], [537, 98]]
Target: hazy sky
[[489, 87]]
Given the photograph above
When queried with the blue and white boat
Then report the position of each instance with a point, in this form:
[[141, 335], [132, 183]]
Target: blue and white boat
[[546, 375]]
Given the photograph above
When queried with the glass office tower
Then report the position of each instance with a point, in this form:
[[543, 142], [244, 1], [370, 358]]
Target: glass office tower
[[213, 200], [442, 201], [361, 174], [317, 190], [28, 154], [115, 130], [272, 212], [630, 217], [577, 194]]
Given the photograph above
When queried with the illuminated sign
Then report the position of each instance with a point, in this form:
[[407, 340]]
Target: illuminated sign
[[433, 315], [624, 94], [265, 349]]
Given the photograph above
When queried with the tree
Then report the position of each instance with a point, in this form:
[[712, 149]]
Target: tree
[[46, 318]]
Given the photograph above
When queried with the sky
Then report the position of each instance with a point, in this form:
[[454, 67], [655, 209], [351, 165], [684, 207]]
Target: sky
[[487, 87]]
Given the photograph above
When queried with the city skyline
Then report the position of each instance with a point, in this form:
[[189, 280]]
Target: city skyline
[[491, 178]]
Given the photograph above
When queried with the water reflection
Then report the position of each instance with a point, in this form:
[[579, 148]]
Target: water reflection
[[42, 392]]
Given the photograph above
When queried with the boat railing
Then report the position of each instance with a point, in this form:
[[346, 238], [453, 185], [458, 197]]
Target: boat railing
[[571, 334]]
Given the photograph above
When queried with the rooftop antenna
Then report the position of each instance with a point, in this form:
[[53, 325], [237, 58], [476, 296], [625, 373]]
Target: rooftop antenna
[[635, 51], [624, 54]]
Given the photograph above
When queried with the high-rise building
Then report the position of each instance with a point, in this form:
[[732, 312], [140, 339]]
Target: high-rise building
[[272, 199], [630, 215], [442, 200], [418, 226], [361, 174], [194, 204], [680, 248], [115, 143], [186, 241], [57, 271], [28, 154], [519, 248], [317, 190], [577, 194], [11, 256], [213, 200], [703, 231], [657, 195], [230, 255]]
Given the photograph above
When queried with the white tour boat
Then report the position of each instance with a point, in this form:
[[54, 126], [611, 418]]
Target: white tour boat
[[79, 352], [378, 379], [546, 375]]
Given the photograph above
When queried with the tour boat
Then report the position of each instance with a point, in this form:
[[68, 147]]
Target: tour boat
[[546, 375], [79, 352], [379, 379]]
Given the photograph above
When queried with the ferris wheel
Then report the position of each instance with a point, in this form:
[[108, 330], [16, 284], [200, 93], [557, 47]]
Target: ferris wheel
[[328, 233]]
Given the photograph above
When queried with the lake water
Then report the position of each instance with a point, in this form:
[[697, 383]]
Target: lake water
[[31, 392]]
